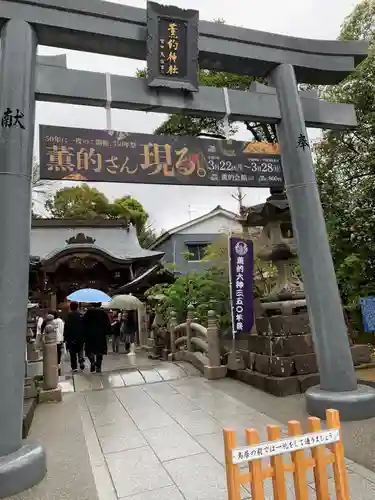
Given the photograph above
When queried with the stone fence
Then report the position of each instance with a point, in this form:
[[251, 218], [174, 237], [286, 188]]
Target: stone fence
[[192, 342]]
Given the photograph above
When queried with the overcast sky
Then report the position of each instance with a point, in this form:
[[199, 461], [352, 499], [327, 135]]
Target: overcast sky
[[171, 206]]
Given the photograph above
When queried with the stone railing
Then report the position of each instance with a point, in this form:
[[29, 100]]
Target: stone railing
[[197, 344]]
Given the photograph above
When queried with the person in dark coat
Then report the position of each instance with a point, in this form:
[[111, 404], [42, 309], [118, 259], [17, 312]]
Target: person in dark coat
[[116, 331], [128, 328], [96, 327], [73, 337]]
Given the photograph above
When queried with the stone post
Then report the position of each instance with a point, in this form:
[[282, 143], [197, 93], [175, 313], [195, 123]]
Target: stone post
[[189, 320], [53, 301], [142, 326], [22, 463], [172, 335], [338, 383], [51, 391], [215, 369]]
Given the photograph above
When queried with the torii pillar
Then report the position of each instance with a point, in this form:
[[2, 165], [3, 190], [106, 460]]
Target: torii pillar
[[338, 383], [22, 463]]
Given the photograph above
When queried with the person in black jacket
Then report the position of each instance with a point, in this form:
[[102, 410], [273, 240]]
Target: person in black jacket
[[128, 328], [96, 327], [116, 332], [74, 337]]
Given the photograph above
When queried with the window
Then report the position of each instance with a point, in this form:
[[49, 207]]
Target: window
[[196, 251]]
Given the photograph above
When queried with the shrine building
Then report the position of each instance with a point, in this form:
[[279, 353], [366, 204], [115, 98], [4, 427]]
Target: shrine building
[[67, 255]]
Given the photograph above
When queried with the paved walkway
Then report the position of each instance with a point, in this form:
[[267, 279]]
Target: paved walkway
[[126, 371], [164, 442], [155, 441]]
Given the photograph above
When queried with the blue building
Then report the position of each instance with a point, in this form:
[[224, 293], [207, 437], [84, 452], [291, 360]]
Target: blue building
[[184, 246]]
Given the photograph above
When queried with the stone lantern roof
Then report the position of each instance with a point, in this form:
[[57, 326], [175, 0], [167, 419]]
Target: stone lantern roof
[[276, 208]]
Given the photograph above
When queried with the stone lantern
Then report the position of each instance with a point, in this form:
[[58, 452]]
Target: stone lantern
[[281, 353]]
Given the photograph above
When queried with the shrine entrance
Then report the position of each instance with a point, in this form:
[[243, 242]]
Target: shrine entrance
[[71, 269], [80, 271]]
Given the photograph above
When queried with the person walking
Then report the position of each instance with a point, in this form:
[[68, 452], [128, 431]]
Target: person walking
[[59, 326], [128, 330], [74, 337], [96, 328], [116, 334]]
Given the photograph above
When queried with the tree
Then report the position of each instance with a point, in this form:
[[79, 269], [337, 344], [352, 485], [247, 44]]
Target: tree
[[345, 167], [79, 202], [147, 235], [129, 208], [205, 290], [85, 202]]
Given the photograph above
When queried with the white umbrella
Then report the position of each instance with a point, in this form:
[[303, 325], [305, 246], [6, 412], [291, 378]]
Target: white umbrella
[[126, 303]]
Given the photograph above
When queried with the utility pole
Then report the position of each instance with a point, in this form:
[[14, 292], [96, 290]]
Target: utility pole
[[239, 197], [189, 212]]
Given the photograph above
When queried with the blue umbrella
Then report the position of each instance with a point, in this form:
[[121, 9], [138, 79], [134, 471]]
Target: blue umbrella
[[89, 295]]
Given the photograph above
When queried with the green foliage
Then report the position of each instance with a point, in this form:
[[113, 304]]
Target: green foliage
[[209, 289], [345, 168], [85, 202], [204, 290], [129, 208], [78, 202], [264, 272]]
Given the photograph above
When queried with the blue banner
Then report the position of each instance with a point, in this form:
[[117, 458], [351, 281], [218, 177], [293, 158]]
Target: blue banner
[[241, 265], [368, 313]]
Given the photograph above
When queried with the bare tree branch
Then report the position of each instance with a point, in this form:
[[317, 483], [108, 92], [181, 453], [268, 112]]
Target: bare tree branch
[[214, 136], [358, 176], [350, 146], [274, 132], [267, 133], [254, 131]]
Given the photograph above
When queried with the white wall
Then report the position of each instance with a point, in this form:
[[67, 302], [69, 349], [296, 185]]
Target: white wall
[[216, 224]]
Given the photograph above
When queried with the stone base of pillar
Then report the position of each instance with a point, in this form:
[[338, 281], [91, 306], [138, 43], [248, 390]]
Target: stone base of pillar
[[171, 356], [235, 361], [215, 372], [281, 359], [50, 396], [352, 405], [22, 469]]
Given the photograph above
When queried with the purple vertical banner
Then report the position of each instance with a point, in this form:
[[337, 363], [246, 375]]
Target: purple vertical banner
[[241, 266]]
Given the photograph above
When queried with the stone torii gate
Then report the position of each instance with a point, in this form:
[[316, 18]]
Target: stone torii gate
[[118, 30]]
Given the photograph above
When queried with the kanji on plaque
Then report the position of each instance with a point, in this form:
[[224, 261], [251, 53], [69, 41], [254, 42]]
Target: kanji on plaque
[[241, 273], [101, 156], [272, 448]]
